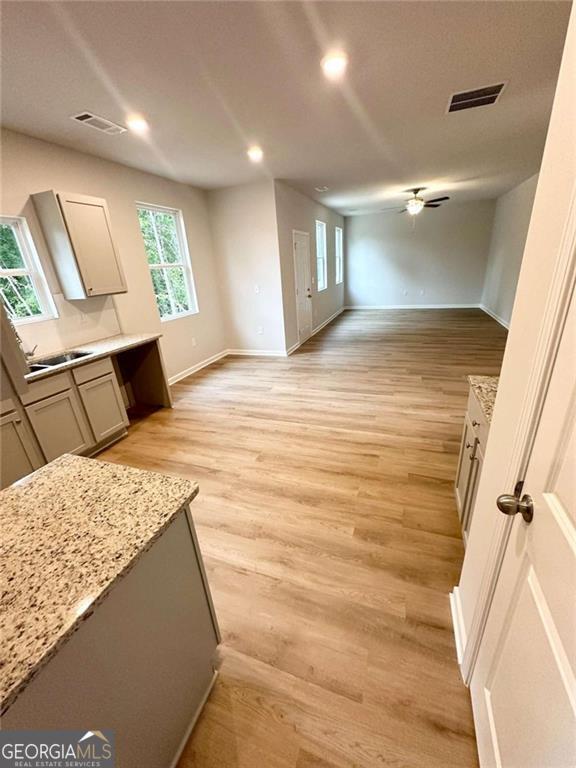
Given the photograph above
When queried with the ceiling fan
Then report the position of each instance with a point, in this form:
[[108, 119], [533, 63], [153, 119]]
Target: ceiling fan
[[416, 203]]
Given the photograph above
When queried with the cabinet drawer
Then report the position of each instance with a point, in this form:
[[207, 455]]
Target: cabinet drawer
[[92, 370], [51, 385], [478, 420]]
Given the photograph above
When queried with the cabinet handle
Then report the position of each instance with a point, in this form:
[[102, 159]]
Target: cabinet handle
[[475, 423], [468, 445]]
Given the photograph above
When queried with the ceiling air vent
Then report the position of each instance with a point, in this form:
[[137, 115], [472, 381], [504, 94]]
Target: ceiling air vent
[[98, 123], [480, 97]]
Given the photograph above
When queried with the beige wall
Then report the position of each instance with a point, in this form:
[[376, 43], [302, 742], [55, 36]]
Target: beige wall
[[30, 165], [437, 259], [240, 242], [511, 220], [246, 245], [296, 211]]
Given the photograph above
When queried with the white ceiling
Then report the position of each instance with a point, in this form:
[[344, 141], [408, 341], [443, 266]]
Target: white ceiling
[[213, 77]]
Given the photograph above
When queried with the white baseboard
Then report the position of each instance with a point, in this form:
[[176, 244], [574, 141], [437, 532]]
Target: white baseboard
[[189, 371], [328, 320], [257, 352], [494, 316], [246, 353], [458, 624], [414, 306], [225, 353], [293, 348]]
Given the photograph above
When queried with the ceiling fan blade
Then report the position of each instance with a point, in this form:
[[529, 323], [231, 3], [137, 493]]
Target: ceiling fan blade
[[432, 205], [415, 190], [438, 199]]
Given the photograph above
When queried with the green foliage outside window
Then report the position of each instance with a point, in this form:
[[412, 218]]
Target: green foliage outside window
[[17, 291], [159, 231]]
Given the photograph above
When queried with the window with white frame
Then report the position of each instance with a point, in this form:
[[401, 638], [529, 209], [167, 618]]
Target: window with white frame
[[339, 251], [321, 259], [169, 260], [23, 287]]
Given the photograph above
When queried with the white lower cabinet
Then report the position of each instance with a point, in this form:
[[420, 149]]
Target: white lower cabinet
[[104, 407], [60, 425], [19, 455], [465, 466], [474, 437]]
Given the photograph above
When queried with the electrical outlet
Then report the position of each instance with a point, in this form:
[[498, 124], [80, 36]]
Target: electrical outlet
[[422, 291], [405, 292], [256, 288], [260, 330], [193, 341]]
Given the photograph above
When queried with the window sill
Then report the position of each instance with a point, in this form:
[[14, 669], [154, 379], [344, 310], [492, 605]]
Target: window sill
[[36, 319], [321, 290], [170, 318]]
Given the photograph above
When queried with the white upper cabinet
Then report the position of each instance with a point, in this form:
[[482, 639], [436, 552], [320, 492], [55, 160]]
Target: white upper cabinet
[[78, 233]]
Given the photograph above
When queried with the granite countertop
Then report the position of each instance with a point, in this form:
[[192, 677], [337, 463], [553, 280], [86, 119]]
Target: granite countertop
[[485, 388], [96, 349], [69, 531]]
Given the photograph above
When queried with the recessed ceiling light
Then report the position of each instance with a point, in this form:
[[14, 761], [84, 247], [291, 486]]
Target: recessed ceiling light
[[137, 124], [255, 154], [321, 189], [334, 65]]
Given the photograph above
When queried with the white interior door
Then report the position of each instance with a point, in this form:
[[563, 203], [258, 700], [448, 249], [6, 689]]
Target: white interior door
[[524, 683], [303, 284]]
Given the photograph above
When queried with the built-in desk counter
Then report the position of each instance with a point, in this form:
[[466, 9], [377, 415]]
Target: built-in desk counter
[[79, 405]]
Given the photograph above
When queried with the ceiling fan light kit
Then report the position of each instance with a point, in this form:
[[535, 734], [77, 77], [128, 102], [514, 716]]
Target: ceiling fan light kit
[[415, 204]]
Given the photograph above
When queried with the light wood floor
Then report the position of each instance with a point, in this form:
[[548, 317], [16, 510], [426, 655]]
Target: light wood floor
[[331, 539]]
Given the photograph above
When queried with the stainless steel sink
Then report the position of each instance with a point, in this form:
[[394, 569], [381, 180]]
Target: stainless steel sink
[[35, 367], [48, 362]]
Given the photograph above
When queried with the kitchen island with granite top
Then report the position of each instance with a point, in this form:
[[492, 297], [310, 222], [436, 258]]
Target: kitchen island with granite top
[[107, 620]]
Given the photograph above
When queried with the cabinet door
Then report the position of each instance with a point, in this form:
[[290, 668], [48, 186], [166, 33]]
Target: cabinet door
[[88, 225], [59, 425], [104, 406], [19, 455], [464, 466], [475, 471]]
